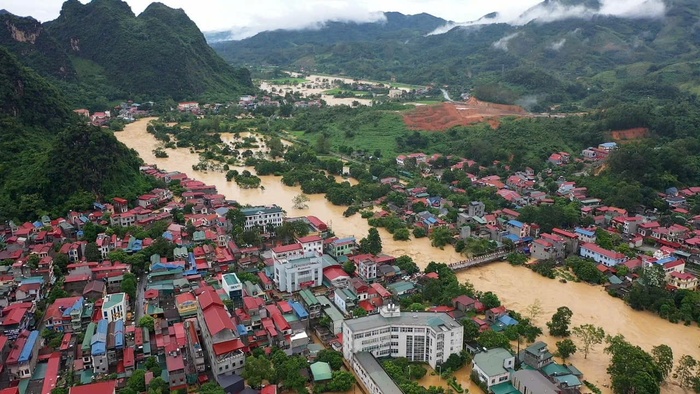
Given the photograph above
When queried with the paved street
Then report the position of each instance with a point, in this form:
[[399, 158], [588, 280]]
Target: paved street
[[140, 293]]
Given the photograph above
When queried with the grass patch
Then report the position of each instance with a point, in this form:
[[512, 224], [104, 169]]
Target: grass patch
[[288, 81]]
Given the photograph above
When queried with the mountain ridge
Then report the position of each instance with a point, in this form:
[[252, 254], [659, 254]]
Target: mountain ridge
[[101, 51]]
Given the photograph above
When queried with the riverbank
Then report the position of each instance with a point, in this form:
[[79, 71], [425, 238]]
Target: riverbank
[[517, 287]]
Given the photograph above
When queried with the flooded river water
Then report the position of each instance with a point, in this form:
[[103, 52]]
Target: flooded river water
[[517, 287]]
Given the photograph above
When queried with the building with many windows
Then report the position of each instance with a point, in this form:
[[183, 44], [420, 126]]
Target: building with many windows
[[262, 216], [297, 274], [419, 336], [114, 307]]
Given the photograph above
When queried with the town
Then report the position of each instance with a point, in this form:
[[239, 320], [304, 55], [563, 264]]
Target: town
[[157, 292]]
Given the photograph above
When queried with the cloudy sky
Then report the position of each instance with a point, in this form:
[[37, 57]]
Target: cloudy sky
[[245, 18]]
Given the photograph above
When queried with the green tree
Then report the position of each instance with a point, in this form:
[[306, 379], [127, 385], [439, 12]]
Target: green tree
[[349, 267], [663, 357], [92, 252], [491, 339], [516, 258], [559, 325], [419, 232], [129, 285], [158, 386], [590, 336], [147, 322], [359, 312], [631, 369], [300, 201], [407, 265], [490, 300], [372, 243], [332, 357], [440, 237], [686, 370], [256, 370], [534, 310], [402, 234], [471, 330], [137, 381], [566, 348], [211, 388]]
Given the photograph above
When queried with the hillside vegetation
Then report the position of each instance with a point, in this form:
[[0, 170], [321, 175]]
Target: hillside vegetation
[[51, 161], [537, 65], [101, 52]]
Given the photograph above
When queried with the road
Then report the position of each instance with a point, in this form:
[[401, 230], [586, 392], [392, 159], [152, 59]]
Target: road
[[446, 95], [140, 293]]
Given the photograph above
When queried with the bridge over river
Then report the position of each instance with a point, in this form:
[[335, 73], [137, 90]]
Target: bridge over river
[[479, 260]]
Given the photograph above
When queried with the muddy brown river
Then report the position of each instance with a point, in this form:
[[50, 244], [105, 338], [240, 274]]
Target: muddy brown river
[[517, 287]]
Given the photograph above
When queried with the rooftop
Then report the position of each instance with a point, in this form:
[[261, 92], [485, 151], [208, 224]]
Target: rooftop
[[376, 373], [492, 361], [412, 319], [112, 300]]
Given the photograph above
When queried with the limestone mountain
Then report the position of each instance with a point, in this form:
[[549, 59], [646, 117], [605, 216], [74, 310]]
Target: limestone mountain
[[51, 161], [563, 58], [102, 50]]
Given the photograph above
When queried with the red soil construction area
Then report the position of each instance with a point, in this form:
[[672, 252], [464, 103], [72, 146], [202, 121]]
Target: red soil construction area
[[630, 134], [447, 115]]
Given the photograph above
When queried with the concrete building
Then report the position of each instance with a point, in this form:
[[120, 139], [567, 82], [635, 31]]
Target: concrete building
[[493, 366], [603, 256], [372, 375], [419, 336], [225, 349], [294, 275], [234, 288], [529, 381], [262, 216], [114, 307]]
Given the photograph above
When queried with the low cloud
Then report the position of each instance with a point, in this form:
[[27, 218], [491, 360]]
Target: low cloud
[[502, 44], [558, 44], [554, 11]]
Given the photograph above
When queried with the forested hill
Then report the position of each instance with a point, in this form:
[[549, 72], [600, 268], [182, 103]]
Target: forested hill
[[51, 161], [287, 47], [101, 51], [548, 62]]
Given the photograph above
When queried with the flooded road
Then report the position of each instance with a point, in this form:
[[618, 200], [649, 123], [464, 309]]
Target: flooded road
[[517, 287]]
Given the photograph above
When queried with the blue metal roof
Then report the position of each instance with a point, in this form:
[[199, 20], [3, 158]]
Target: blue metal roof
[[665, 260], [191, 260], [77, 306], [168, 235], [584, 232], [507, 320], [119, 334], [99, 339], [99, 206], [32, 280], [299, 310], [512, 237], [190, 272], [38, 224], [29, 347], [516, 223], [242, 330]]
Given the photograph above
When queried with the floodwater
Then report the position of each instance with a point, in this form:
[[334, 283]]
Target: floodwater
[[517, 287], [275, 192]]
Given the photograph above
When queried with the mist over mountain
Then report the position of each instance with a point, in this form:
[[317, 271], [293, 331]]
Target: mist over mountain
[[558, 58]]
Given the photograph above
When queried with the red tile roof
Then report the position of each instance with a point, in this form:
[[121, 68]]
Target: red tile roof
[[228, 346], [93, 388], [129, 358], [310, 238], [173, 358], [208, 298], [52, 369], [217, 320], [287, 248]]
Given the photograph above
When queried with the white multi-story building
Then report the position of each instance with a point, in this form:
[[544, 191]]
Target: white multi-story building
[[294, 275], [311, 244], [233, 287], [114, 307], [419, 336], [263, 216], [367, 269]]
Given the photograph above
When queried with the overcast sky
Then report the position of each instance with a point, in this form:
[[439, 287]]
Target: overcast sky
[[258, 15], [245, 18]]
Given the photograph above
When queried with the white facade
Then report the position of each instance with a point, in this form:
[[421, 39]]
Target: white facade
[[293, 275], [263, 216], [367, 269], [493, 366], [419, 336], [312, 245], [114, 307]]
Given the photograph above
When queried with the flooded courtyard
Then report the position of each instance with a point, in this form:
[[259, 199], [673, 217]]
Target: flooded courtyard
[[517, 287]]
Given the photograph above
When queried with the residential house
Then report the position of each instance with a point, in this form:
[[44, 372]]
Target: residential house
[[603, 256], [114, 307], [493, 366], [528, 381], [341, 247], [683, 280], [464, 303], [537, 355]]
